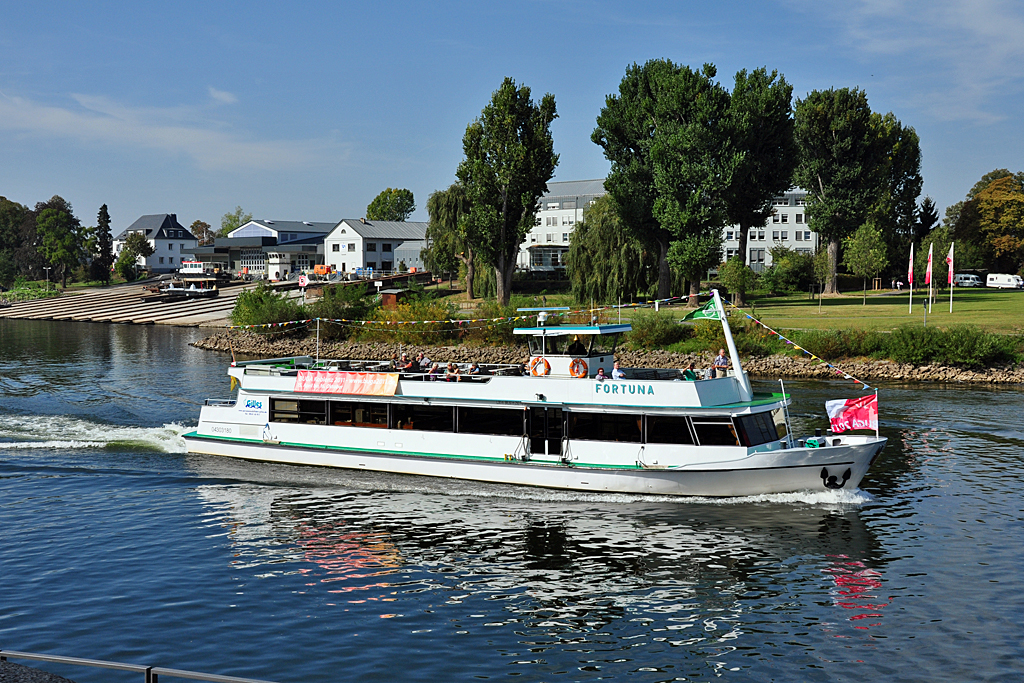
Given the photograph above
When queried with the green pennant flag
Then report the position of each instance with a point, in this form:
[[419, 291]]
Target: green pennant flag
[[708, 312]]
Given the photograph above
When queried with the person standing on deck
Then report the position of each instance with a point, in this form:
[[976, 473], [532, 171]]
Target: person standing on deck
[[721, 364]]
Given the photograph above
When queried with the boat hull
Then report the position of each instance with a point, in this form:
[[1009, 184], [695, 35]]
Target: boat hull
[[789, 470]]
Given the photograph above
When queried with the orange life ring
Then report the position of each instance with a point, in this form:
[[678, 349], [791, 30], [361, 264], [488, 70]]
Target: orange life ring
[[578, 367], [539, 366]]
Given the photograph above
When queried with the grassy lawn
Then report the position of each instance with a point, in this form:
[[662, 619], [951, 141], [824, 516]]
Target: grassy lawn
[[992, 310]]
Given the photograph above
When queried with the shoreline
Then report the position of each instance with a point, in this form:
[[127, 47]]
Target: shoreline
[[764, 367]]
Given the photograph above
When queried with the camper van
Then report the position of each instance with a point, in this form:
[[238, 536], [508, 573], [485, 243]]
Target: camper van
[[1001, 281], [967, 280]]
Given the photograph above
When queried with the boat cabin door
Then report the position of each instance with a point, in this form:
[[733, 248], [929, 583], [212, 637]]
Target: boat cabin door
[[547, 425]]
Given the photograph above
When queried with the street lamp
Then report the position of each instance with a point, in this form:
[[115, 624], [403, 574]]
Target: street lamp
[[47, 269]]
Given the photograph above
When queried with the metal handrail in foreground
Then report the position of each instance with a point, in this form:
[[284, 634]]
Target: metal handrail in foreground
[[150, 672]]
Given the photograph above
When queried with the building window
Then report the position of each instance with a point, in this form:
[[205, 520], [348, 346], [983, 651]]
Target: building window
[[775, 235], [799, 234], [785, 218], [385, 247], [728, 234], [780, 201], [730, 253], [572, 219], [554, 205], [372, 265], [807, 235], [343, 268], [335, 247], [785, 235], [181, 247], [760, 235], [161, 260], [551, 238], [387, 265], [371, 246], [775, 218], [537, 221], [565, 237], [801, 202], [351, 246], [799, 218], [565, 220], [533, 239]]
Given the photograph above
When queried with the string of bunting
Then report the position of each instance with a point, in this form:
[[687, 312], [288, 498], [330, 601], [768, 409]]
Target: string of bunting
[[839, 372]]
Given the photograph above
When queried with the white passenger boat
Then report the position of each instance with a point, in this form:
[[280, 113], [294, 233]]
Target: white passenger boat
[[557, 426]]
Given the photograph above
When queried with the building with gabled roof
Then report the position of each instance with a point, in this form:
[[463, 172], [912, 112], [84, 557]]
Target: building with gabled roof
[[358, 244], [171, 242]]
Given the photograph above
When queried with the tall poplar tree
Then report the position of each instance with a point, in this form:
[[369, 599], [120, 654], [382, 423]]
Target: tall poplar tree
[[761, 118], [509, 159], [103, 258]]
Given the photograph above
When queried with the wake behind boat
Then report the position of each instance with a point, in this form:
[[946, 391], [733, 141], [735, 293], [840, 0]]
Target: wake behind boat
[[556, 425]]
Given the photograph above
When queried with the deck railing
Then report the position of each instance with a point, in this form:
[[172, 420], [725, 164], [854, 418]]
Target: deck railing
[[149, 672]]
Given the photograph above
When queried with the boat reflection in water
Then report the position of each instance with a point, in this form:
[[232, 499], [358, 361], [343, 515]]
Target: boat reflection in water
[[556, 567]]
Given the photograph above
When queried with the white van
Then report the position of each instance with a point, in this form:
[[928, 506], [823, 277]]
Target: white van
[[1001, 281], [967, 280]]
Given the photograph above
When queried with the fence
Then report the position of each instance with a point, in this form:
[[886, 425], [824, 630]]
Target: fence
[[150, 673]]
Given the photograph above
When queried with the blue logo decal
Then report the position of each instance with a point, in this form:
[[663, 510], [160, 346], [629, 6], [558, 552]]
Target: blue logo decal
[[254, 404]]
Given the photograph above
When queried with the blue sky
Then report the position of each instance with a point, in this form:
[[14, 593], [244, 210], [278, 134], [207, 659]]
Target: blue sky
[[305, 111]]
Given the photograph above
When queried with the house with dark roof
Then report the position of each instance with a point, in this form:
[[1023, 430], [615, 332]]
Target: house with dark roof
[[171, 242], [359, 244]]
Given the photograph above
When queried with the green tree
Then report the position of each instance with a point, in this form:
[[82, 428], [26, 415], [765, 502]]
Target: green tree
[[232, 221], [203, 233], [449, 234], [60, 236], [790, 271], [102, 248], [693, 255], [736, 276], [865, 254], [392, 204], [761, 119], [987, 225], [667, 134], [607, 263], [12, 216], [509, 159], [135, 245], [841, 164], [927, 219]]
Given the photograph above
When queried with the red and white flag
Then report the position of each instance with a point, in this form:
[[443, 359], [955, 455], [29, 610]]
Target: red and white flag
[[853, 413], [928, 273], [949, 260], [910, 268]]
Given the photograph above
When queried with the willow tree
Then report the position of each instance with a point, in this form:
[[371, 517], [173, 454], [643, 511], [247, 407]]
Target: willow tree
[[449, 235], [606, 262], [509, 159]]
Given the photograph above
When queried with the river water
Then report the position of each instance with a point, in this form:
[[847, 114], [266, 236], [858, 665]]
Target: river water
[[118, 545]]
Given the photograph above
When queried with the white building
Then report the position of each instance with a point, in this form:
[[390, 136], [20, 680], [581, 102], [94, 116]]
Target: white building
[[786, 227], [358, 244], [297, 247], [167, 237], [558, 211]]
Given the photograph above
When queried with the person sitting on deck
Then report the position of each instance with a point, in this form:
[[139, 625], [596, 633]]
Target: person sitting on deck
[[453, 374], [404, 364], [474, 368], [435, 372], [690, 374], [617, 372], [600, 376], [423, 362]]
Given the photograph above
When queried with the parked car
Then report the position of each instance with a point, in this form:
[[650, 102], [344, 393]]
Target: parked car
[[967, 280], [1003, 281]]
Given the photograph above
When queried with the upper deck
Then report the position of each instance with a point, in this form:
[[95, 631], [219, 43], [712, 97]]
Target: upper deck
[[649, 389]]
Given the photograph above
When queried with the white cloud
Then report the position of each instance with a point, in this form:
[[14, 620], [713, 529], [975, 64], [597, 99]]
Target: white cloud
[[222, 96], [957, 59], [174, 130]]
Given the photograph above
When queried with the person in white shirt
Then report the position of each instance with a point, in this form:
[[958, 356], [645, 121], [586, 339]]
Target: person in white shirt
[[617, 372]]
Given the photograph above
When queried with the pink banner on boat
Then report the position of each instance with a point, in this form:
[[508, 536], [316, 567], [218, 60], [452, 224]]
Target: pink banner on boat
[[853, 413], [363, 383]]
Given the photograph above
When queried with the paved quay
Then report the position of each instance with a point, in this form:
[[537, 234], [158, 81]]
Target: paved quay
[[124, 304]]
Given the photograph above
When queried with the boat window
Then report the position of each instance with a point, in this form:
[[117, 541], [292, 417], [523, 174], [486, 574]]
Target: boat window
[[604, 344], [501, 421], [757, 429], [423, 417], [668, 429], [604, 427], [357, 414], [548, 346], [715, 431], [779, 418], [301, 411]]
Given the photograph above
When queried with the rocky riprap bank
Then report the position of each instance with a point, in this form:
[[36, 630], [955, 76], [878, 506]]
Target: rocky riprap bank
[[772, 366]]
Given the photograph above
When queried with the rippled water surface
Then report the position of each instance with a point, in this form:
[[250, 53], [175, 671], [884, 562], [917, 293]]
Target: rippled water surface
[[118, 545]]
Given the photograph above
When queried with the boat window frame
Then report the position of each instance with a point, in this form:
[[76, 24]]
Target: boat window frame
[[696, 420]]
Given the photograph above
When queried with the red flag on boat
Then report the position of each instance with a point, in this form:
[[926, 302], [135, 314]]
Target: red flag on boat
[[853, 413], [928, 273]]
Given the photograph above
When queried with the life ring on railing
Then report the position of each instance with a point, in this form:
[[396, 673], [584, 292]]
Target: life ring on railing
[[540, 366], [578, 368]]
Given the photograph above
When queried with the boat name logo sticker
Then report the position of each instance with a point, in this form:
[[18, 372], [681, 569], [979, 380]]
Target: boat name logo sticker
[[618, 387]]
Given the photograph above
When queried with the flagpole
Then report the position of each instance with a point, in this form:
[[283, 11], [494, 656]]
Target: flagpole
[[876, 418], [930, 247], [910, 283], [951, 245]]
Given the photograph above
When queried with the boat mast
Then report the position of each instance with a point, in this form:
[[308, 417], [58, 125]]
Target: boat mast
[[746, 393]]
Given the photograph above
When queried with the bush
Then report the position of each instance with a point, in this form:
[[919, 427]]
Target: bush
[[395, 326], [968, 346], [655, 329], [263, 305], [346, 302], [500, 333], [835, 344]]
